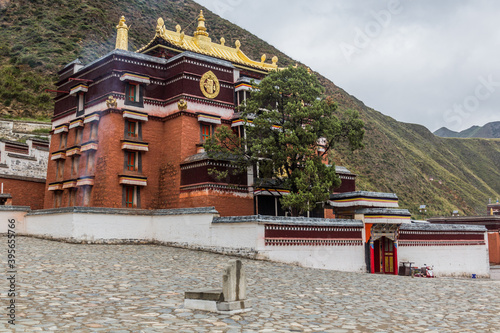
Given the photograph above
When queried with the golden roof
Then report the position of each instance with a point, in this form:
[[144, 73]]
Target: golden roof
[[201, 43]]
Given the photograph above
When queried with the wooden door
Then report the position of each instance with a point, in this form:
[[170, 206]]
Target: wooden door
[[388, 255]]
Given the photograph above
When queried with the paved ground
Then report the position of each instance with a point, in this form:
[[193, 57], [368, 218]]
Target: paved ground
[[130, 288]]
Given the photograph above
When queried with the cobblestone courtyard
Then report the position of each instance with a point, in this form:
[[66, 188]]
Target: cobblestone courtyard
[[139, 288]]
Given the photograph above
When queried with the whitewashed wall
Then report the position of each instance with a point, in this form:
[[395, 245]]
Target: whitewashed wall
[[339, 258], [193, 228], [13, 212], [449, 260]]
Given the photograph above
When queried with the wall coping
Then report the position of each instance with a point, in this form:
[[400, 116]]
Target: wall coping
[[125, 211], [16, 177], [285, 220], [15, 208], [388, 211], [336, 196], [442, 227]]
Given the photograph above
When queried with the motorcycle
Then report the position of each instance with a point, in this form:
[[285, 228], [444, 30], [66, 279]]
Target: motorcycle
[[429, 271]]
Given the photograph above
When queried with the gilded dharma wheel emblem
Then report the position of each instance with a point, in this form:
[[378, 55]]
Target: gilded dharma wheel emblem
[[209, 85]]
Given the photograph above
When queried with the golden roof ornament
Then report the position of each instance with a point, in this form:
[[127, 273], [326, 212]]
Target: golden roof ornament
[[202, 44], [263, 58], [201, 30], [160, 26], [122, 35]]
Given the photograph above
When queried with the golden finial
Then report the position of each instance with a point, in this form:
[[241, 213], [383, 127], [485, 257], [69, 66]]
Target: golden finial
[[178, 28], [222, 41], [182, 104], [201, 30], [296, 65], [182, 36], [275, 60], [263, 58], [122, 35], [237, 44], [159, 24], [308, 70]]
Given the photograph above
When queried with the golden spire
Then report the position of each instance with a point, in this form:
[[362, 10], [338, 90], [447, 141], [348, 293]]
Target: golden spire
[[201, 30], [122, 35]]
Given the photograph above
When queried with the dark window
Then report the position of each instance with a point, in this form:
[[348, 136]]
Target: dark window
[[59, 169], [131, 160], [78, 135], [87, 191], [64, 139], [74, 166], [57, 199], [131, 197], [132, 129], [94, 127], [134, 94], [72, 197], [206, 131], [90, 162], [80, 104]]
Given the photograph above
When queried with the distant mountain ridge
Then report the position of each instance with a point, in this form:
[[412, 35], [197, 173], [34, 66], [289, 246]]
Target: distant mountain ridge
[[488, 131]]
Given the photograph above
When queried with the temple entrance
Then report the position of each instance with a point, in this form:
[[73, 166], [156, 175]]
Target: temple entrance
[[387, 248], [383, 249], [384, 256]]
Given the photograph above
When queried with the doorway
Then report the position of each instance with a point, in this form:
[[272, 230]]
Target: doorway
[[384, 256]]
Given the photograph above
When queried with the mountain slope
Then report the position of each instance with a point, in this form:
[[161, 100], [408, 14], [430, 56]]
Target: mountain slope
[[40, 36], [488, 131]]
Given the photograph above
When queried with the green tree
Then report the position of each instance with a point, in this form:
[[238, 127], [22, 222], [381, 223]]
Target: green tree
[[288, 119]]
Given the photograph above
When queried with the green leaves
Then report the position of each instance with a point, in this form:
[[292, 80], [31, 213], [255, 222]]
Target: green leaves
[[287, 118]]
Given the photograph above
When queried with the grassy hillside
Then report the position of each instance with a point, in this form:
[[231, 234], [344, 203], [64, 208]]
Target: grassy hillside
[[40, 36]]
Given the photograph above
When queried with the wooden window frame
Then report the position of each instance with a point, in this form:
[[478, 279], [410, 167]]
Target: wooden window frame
[[137, 131], [131, 196], [203, 134], [134, 94]]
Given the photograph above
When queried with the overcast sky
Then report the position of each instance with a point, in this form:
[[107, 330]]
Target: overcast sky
[[435, 63]]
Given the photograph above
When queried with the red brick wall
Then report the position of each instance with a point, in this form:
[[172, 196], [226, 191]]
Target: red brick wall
[[24, 192], [51, 171], [170, 142], [226, 204]]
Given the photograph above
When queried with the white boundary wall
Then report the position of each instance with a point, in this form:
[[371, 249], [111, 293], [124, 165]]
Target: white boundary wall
[[191, 228], [194, 228], [463, 260], [339, 258]]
